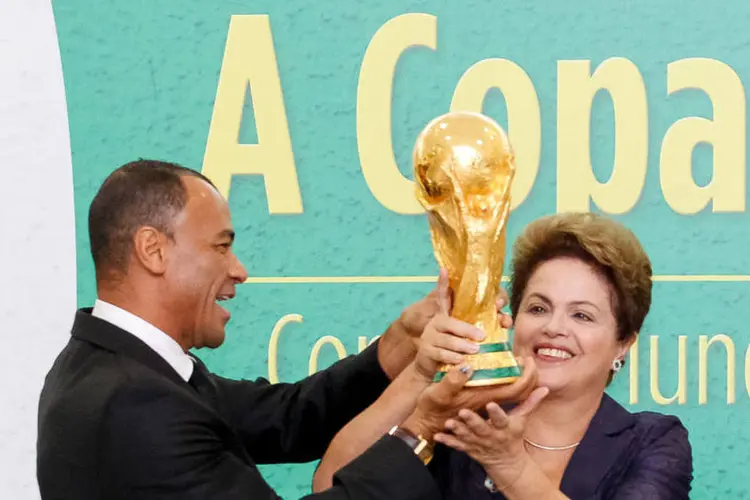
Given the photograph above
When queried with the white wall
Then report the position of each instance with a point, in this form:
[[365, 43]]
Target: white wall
[[37, 231]]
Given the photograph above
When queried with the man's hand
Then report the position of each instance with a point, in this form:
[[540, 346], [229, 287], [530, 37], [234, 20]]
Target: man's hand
[[443, 401]]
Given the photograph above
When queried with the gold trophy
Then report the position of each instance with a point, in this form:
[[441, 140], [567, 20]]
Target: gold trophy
[[463, 168]]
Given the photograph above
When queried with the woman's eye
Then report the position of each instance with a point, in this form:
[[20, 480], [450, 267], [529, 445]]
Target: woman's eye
[[582, 316], [536, 309]]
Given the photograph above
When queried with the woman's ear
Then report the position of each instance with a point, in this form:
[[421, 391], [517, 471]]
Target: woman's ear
[[625, 346]]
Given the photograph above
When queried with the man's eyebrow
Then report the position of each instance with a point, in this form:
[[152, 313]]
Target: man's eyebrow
[[227, 233]]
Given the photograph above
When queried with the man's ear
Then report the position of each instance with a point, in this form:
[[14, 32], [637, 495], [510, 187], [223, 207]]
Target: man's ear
[[150, 248]]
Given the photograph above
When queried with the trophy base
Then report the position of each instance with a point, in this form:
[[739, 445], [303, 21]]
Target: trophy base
[[494, 377], [494, 364]]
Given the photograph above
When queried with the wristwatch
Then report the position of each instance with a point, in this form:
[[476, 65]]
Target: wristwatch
[[419, 445]]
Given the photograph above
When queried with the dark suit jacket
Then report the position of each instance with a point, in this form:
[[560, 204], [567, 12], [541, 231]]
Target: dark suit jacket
[[623, 455], [117, 422]]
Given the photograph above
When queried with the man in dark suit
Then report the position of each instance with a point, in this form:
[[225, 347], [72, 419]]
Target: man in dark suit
[[128, 413]]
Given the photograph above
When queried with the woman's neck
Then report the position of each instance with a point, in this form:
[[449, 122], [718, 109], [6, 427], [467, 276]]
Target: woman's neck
[[561, 420]]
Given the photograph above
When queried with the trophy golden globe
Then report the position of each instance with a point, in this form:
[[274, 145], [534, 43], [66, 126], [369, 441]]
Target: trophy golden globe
[[463, 168]]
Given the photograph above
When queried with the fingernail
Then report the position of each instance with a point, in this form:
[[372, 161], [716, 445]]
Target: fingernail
[[465, 369], [474, 348]]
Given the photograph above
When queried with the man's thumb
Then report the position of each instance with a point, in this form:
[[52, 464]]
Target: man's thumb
[[443, 292]]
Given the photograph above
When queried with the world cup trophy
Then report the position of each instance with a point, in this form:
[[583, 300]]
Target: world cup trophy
[[463, 167]]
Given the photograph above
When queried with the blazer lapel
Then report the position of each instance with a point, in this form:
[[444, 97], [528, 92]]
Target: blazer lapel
[[604, 442], [112, 338]]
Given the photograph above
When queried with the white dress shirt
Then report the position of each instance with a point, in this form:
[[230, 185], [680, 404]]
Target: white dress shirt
[[164, 345]]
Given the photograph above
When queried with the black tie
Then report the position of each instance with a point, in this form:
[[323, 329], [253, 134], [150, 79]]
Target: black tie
[[201, 381]]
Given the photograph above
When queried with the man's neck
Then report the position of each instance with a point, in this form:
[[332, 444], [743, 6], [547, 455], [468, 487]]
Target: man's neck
[[148, 310]]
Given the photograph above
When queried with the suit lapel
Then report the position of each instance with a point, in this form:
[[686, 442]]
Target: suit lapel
[[604, 442], [112, 338]]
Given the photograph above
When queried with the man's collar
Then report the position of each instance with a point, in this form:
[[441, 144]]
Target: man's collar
[[154, 348]]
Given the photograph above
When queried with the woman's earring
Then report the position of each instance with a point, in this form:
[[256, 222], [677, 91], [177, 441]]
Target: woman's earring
[[616, 365]]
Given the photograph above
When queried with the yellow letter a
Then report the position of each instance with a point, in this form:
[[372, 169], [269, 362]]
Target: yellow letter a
[[249, 58]]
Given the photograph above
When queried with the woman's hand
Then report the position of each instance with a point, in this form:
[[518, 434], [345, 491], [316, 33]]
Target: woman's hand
[[497, 442], [414, 318], [446, 340]]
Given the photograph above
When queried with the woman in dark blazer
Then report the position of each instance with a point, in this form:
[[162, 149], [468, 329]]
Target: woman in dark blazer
[[580, 291]]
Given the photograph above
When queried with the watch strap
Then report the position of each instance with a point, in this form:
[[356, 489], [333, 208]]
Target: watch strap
[[420, 446]]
